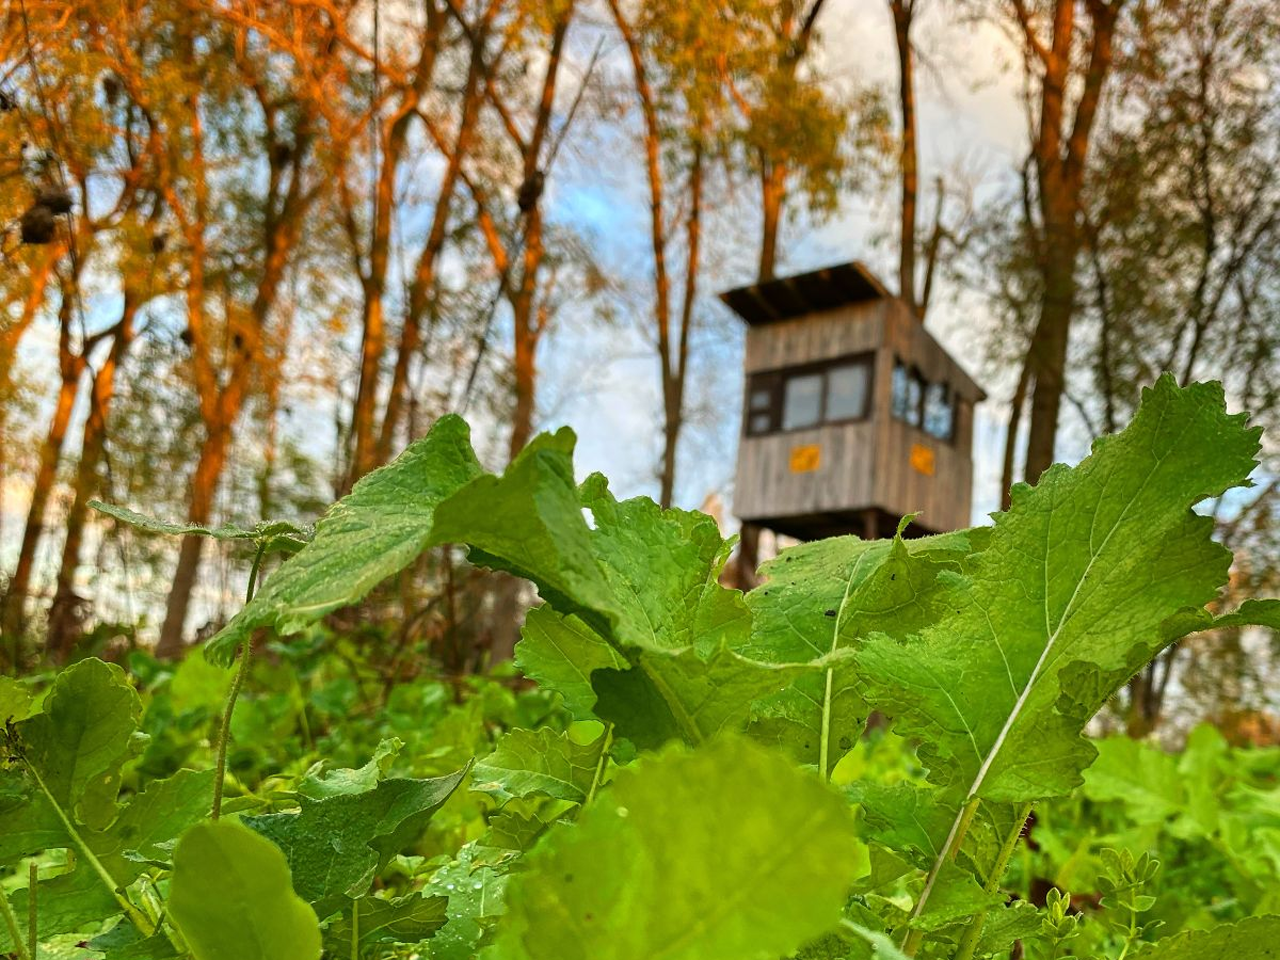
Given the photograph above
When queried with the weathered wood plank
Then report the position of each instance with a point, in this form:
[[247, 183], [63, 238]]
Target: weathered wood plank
[[864, 465]]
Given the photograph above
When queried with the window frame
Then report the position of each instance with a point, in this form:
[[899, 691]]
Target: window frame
[[949, 398], [775, 381], [949, 391]]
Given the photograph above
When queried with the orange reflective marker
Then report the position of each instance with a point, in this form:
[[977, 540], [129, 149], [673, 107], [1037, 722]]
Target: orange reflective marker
[[806, 458], [922, 459]]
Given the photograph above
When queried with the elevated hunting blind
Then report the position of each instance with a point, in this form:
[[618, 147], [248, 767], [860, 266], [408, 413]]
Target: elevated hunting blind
[[854, 415]]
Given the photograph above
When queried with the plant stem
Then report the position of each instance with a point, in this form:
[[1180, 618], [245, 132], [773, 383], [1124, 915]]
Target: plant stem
[[969, 942], [824, 744], [135, 916], [601, 763], [824, 738], [955, 839], [224, 729], [355, 930], [11, 921], [33, 933]]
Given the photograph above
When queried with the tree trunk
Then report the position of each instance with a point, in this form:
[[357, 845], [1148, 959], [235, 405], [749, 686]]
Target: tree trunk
[[658, 242], [373, 342], [204, 484], [773, 190], [526, 372], [902, 16], [371, 347], [1061, 148], [10, 337], [1146, 694], [1011, 434], [670, 440], [1048, 355], [45, 478], [674, 381], [420, 290], [64, 620]]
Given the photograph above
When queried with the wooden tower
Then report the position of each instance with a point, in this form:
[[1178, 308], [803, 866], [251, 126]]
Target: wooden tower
[[853, 414]]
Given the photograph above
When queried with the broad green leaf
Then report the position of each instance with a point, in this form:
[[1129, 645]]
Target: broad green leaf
[[71, 902], [828, 596], [529, 522], [336, 846], [76, 744], [956, 896], [1251, 613], [1007, 924], [477, 898], [272, 535], [198, 684], [137, 837], [685, 695], [561, 652], [15, 700], [317, 786], [1257, 938], [31, 822], [882, 948], [140, 835], [902, 817], [123, 942], [1201, 767], [724, 853], [511, 833], [232, 898], [382, 923], [1066, 600], [375, 531], [676, 630], [543, 761], [663, 566], [1143, 778]]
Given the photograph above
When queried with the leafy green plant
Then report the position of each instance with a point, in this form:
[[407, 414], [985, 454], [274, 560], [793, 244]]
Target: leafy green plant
[[703, 789]]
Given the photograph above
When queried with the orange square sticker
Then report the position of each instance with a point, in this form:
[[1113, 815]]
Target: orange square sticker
[[806, 458], [922, 459]]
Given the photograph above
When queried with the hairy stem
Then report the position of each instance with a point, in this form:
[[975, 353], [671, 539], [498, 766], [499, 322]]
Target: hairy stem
[[224, 729], [969, 942], [11, 922]]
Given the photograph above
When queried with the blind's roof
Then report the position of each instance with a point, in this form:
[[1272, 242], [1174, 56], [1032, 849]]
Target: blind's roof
[[823, 289]]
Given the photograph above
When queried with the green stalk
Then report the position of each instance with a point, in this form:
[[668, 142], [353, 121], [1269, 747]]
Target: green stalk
[[824, 739], [959, 829], [144, 926], [11, 921], [33, 932], [355, 930], [224, 729], [601, 763], [824, 743], [969, 942]]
